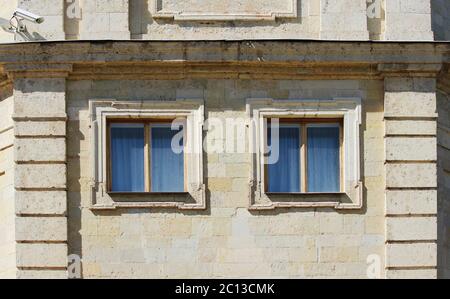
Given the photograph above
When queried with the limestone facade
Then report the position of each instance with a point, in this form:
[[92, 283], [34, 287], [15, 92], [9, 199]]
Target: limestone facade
[[260, 19], [390, 221]]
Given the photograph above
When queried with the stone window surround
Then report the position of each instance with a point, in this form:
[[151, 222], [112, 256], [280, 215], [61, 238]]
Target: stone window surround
[[191, 109], [221, 16], [347, 108]]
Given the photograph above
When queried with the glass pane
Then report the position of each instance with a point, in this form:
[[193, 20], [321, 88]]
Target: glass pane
[[127, 158], [323, 159], [167, 164], [284, 175]]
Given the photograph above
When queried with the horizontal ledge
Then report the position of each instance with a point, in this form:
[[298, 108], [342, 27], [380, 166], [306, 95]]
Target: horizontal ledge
[[411, 188], [147, 193], [412, 136], [396, 117], [26, 162], [43, 268], [40, 189], [307, 193], [221, 17], [19, 118], [313, 205], [41, 215], [407, 242], [148, 205], [40, 136], [412, 268], [411, 161], [417, 215], [41, 242]]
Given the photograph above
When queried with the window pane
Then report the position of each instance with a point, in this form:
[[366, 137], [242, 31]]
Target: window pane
[[167, 165], [127, 158], [323, 159], [284, 175]]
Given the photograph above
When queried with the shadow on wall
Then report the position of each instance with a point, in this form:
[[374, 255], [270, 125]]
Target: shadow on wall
[[443, 219], [140, 18], [440, 14], [28, 36]]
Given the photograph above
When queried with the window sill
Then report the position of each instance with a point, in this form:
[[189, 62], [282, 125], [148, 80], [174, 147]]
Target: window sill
[[151, 200], [305, 193], [112, 193], [333, 200]]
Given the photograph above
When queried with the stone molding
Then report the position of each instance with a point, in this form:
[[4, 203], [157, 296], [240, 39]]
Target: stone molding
[[155, 60], [191, 109], [221, 15], [347, 108], [38, 70]]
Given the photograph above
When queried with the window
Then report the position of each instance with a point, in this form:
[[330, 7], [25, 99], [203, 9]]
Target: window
[[146, 157], [316, 160], [138, 161], [305, 156]]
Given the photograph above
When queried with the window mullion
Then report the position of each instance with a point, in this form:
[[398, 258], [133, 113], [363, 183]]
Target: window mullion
[[303, 160]]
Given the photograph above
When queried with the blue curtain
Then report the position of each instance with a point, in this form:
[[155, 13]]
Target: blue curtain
[[127, 158], [284, 175], [323, 159], [167, 167]]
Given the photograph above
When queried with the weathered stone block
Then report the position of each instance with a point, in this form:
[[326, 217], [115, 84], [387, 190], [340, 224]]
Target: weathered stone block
[[414, 175], [50, 176], [40, 150], [42, 274], [411, 255], [412, 274], [410, 104], [41, 202], [411, 228], [39, 98], [40, 128], [41, 229], [41, 255], [406, 202], [411, 149], [411, 127]]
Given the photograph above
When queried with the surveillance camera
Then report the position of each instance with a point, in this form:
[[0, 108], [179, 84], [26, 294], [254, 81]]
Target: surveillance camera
[[26, 15]]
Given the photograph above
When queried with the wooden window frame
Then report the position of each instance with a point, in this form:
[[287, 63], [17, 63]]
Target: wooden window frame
[[147, 123], [303, 124]]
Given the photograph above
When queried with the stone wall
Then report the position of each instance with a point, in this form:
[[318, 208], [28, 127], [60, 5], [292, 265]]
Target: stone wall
[[411, 177], [313, 19], [7, 212], [226, 240], [6, 12], [40, 177], [408, 20], [258, 19]]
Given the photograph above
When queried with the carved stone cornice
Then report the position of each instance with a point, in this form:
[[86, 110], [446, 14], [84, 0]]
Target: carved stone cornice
[[274, 59], [37, 70]]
